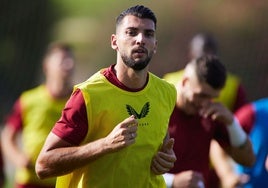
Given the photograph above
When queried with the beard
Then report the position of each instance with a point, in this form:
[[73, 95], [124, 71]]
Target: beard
[[136, 65]]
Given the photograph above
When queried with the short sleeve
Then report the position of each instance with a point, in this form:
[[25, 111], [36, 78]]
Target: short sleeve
[[14, 119], [73, 125]]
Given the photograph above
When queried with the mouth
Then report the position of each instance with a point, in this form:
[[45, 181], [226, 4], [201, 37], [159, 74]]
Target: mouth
[[139, 51]]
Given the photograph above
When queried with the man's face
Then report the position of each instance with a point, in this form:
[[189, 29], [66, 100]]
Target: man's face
[[197, 95], [60, 65], [135, 41]]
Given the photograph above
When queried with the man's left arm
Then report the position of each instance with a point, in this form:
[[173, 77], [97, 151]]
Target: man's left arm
[[240, 146], [241, 149]]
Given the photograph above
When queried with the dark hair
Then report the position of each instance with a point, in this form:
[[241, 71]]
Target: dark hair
[[58, 46], [210, 69], [210, 45], [139, 11]]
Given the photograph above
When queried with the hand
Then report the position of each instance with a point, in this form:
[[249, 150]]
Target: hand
[[217, 112], [234, 180], [230, 182], [188, 179], [123, 134], [164, 160]]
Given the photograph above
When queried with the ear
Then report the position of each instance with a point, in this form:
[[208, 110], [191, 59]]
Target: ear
[[184, 80], [114, 42]]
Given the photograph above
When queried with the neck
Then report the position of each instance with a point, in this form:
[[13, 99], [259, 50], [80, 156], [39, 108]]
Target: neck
[[131, 78], [59, 89]]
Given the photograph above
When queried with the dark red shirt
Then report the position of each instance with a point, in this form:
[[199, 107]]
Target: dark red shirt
[[193, 135]]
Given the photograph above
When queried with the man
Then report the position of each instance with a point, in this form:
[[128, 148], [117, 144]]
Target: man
[[34, 114], [253, 118], [197, 119], [233, 95], [113, 129]]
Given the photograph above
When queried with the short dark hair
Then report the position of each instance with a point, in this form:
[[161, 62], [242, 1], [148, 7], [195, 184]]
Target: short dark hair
[[57, 46], [210, 69], [209, 44], [139, 11]]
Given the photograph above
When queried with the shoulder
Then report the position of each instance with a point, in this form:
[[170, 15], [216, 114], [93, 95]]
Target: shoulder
[[37, 89], [34, 94], [161, 82], [173, 77], [233, 78], [261, 105], [76, 102], [246, 115], [96, 78], [245, 110]]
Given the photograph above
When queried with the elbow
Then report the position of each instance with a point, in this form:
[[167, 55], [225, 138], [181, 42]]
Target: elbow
[[244, 155], [252, 160], [249, 158], [41, 171], [248, 161]]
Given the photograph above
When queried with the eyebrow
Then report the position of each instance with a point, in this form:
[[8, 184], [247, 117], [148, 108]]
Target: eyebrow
[[135, 28]]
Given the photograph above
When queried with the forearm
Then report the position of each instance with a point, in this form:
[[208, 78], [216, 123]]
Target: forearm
[[218, 156], [11, 150], [241, 147], [60, 161], [244, 154], [59, 157], [224, 166], [16, 156]]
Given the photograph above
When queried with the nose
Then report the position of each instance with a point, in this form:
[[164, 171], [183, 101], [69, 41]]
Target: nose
[[140, 39], [67, 64]]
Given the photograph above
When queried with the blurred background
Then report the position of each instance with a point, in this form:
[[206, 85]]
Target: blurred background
[[26, 28]]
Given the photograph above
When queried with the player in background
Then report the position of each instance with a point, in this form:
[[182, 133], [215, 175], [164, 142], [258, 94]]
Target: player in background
[[233, 95], [34, 114]]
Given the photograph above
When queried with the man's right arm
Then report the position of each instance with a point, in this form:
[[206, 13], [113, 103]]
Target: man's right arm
[[62, 153], [9, 135], [59, 157]]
